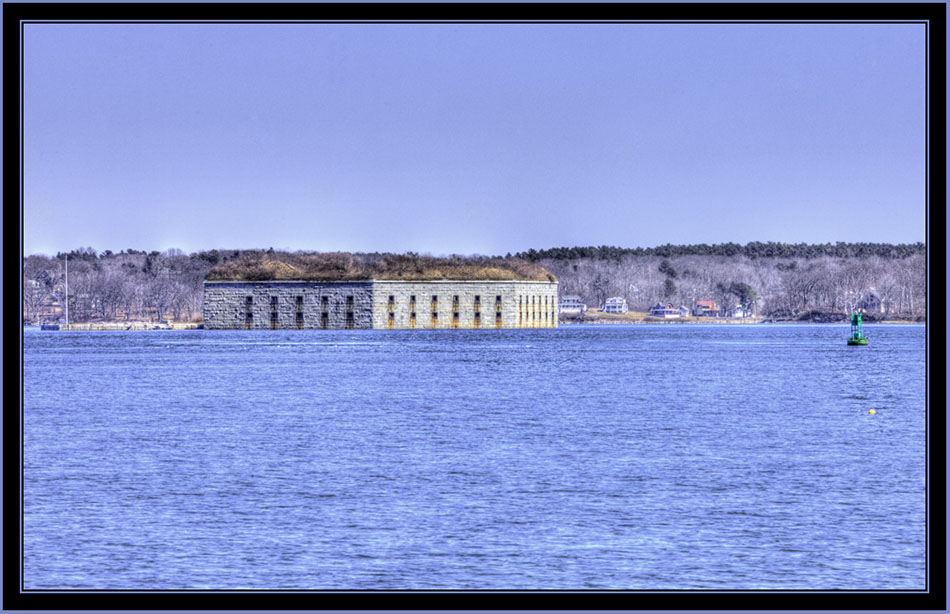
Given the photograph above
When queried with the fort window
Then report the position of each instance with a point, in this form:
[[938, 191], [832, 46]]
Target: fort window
[[435, 303], [455, 301], [349, 302], [299, 319], [249, 301], [434, 321], [412, 319], [273, 319], [455, 319], [392, 302], [324, 320], [325, 300], [391, 321], [478, 319], [497, 319], [249, 320], [299, 302], [349, 318], [273, 301]]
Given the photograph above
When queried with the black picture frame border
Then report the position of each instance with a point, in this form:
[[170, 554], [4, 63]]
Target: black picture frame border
[[15, 14]]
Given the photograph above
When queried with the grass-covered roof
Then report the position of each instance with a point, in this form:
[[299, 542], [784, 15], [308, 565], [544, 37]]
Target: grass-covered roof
[[341, 266]]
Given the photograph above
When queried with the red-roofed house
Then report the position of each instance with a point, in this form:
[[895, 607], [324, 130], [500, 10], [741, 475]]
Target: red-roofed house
[[706, 308], [665, 311]]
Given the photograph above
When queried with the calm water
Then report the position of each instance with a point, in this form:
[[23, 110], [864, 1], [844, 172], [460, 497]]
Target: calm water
[[634, 457]]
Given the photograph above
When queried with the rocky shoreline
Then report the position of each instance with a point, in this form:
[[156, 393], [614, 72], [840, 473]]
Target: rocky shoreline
[[121, 326], [564, 320], [813, 317]]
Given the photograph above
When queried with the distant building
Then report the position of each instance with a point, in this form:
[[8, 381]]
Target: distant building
[[739, 312], [871, 302], [377, 303], [615, 304], [684, 311], [571, 303], [667, 310], [706, 309]]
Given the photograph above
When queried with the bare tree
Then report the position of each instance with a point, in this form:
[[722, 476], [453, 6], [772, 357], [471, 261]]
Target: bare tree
[[33, 299], [135, 284], [158, 295]]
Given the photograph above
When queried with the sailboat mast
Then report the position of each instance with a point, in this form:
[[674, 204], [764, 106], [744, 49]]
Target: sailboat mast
[[67, 290]]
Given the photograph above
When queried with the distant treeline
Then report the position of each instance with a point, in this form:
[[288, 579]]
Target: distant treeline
[[768, 279], [749, 250], [128, 285], [139, 285], [778, 279]]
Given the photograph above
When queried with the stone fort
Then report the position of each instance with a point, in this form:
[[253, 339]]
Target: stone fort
[[374, 303]]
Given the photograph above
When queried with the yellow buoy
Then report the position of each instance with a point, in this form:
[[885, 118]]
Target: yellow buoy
[[872, 411]]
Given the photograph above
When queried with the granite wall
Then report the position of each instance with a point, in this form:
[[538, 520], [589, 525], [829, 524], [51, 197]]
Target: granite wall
[[380, 304], [288, 304], [465, 304]]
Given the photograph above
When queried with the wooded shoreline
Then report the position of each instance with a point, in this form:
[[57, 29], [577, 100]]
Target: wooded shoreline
[[594, 321], [568, 319], [776, 282]]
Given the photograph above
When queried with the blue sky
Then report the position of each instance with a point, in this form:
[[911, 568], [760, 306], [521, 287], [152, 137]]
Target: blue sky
[[468, 138]]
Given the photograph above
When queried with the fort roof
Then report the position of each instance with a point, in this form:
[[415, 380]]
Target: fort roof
[[341, 266]]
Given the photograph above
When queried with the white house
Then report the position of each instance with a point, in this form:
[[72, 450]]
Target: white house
[[571, 303], [615, 304], [660, 310], [739, 312]]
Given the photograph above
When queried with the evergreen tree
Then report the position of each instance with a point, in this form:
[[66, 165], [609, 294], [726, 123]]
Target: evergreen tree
[[667, 269], [669, 288]]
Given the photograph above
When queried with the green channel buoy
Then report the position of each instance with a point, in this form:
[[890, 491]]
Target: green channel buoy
[[857, 334]]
